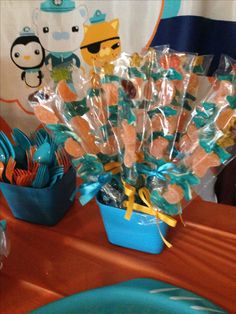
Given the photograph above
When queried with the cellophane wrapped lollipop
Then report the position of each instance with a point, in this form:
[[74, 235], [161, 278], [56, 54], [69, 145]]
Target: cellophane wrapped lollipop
[[168, 86], [122, 82], [167, 89], [140, 88], [208, 142], [78, 122], [199, 71], [210, 134], [131, 115]]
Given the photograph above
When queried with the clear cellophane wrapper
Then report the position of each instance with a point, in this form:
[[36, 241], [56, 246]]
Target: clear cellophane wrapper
[[166, 91], [199, 70], [78, 120], [208, 144]]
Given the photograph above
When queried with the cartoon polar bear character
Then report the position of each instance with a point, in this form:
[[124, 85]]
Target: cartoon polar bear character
[[59, 27]]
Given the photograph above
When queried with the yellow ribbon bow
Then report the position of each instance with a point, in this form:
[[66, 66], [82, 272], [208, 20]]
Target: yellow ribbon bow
[[145, 197], [170, 221], [129, 204]]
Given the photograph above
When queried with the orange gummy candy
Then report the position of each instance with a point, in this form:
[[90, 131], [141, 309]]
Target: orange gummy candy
[[172, 124], [128, 135], [82, 128], [110, 93], [184, 118], [65, 92], [109, 147], [193, 84], [174, 194], [171, 61], [157, 123], [159, 147], [189, 140], [175, 62], [45, 115], [165, 124], [80, 125], [149, 89], [73, 148], [200, 161], [225, 118]]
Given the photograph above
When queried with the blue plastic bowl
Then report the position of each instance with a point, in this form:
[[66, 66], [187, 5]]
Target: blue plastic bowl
[[44, 206], [139, 233]]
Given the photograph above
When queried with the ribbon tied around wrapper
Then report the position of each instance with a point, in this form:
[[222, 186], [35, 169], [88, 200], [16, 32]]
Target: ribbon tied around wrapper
[[158, 172], [90, 189], [144, 195]]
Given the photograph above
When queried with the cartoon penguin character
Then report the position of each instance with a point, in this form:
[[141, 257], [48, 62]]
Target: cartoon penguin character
[[28, 54]]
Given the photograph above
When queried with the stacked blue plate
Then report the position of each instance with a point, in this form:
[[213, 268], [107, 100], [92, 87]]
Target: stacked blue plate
[[138, 296]]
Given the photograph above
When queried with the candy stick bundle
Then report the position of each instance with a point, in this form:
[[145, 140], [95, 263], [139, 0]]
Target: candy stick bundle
[[136, 132]]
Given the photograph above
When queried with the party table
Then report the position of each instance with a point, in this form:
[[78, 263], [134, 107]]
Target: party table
[[48, 263]]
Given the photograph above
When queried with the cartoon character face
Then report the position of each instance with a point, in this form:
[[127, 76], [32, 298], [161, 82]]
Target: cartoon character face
[[27, 52], [60, 32], [101, 43]]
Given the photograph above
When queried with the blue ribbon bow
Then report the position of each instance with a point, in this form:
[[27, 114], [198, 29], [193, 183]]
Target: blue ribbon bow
[[158, 172], [90, 189]]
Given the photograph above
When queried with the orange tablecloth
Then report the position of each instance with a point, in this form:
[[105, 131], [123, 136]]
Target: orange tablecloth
[[47, 263]]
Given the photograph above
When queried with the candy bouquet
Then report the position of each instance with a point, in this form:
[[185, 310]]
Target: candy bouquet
[[139, 140]]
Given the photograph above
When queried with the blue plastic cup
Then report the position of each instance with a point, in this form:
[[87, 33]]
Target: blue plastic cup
[[46, 206], [139, 233]]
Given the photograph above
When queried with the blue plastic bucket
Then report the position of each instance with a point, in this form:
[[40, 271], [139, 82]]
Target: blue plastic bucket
[[44, 206], [139, 233]]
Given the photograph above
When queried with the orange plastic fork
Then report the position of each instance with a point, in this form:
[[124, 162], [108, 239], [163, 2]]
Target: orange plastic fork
[[24, 177], [29, 154], [63, 159], [10, 169], [1, 169]]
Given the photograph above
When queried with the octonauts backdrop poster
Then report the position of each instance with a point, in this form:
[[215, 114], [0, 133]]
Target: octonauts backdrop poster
[[211, 29], [60, 27]]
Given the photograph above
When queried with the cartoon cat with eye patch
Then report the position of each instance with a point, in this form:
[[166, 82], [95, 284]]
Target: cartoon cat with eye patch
[[59, 25], [101, 43]]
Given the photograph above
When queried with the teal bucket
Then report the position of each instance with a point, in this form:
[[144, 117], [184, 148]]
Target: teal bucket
[[139, 233], [46, 206]]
